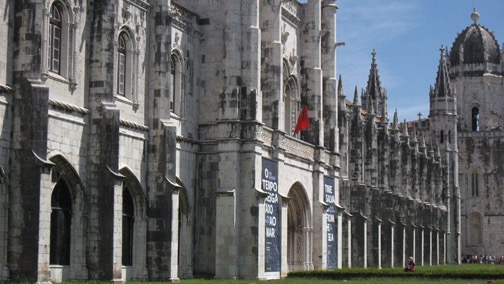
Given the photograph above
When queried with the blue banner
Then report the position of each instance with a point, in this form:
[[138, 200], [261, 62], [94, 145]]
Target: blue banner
[[270, 185], [332, 248]]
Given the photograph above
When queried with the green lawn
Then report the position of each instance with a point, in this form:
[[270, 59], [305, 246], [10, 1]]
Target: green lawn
[[462, 270], [353, 281]]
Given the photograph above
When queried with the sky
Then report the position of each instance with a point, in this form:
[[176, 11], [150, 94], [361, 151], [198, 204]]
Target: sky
[[407, 36]]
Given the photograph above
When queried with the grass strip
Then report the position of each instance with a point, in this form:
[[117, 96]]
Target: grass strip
[[469, 271]]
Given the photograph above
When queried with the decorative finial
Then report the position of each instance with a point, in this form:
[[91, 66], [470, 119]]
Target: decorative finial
[[356, 97], [475, 15], [374, 54]]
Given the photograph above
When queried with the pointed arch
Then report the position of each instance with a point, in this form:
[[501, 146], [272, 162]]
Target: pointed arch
[[185, 230], [59, 44], [134, 226], [127, 65], [292, 103], [177, 75], [298, 229], [67, 219]]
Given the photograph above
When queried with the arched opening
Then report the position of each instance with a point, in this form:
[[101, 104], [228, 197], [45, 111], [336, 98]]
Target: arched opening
[[134, 227], [185, 234], [122, 55], [292, 105], [298, 235], [176, 84], [67, 221], [128, 219], [475, 118], [55, 32], [59, 42], [61, 220], [291, 98]]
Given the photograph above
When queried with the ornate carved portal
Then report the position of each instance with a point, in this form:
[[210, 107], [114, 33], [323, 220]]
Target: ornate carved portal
[[298, 233]]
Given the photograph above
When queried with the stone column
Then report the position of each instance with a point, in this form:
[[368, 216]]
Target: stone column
[[161, 171], [30, 188]]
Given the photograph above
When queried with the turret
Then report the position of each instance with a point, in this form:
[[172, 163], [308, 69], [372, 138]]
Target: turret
[[374, 93]]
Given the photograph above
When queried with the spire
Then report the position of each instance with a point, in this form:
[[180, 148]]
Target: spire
[[356, 98], [405, 129], [443, 86], [341, 92], [374, 93], [373, 88], [395, 121], [413, 136], [423, 147]]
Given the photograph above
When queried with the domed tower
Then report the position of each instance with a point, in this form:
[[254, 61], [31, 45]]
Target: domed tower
[[476, 72], [476, 69]]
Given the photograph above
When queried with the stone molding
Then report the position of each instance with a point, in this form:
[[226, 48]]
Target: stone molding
[[69, 107]]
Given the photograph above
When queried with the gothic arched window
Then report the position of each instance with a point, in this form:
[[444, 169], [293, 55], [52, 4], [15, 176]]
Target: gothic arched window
[[127, 228], [61, 215], [122, 64], [475, 119], [441, 137], [176, 82], [55, 33], [292, 100]]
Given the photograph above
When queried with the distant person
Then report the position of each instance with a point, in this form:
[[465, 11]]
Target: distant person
[[411, 265]]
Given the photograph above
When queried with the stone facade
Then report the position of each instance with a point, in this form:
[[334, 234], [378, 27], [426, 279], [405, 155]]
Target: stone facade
[[155, 140]]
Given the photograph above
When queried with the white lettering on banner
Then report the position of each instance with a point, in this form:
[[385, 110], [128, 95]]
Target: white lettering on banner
[[269, 208], [272, 198], [330, 218], [269, 185], [329, 198], [330, 237], [270, 232], [328, 188], [271, 220]]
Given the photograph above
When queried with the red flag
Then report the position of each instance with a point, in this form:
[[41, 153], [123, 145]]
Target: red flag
[[303, 120]]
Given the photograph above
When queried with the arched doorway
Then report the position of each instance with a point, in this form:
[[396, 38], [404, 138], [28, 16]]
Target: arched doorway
[[298, 230]]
